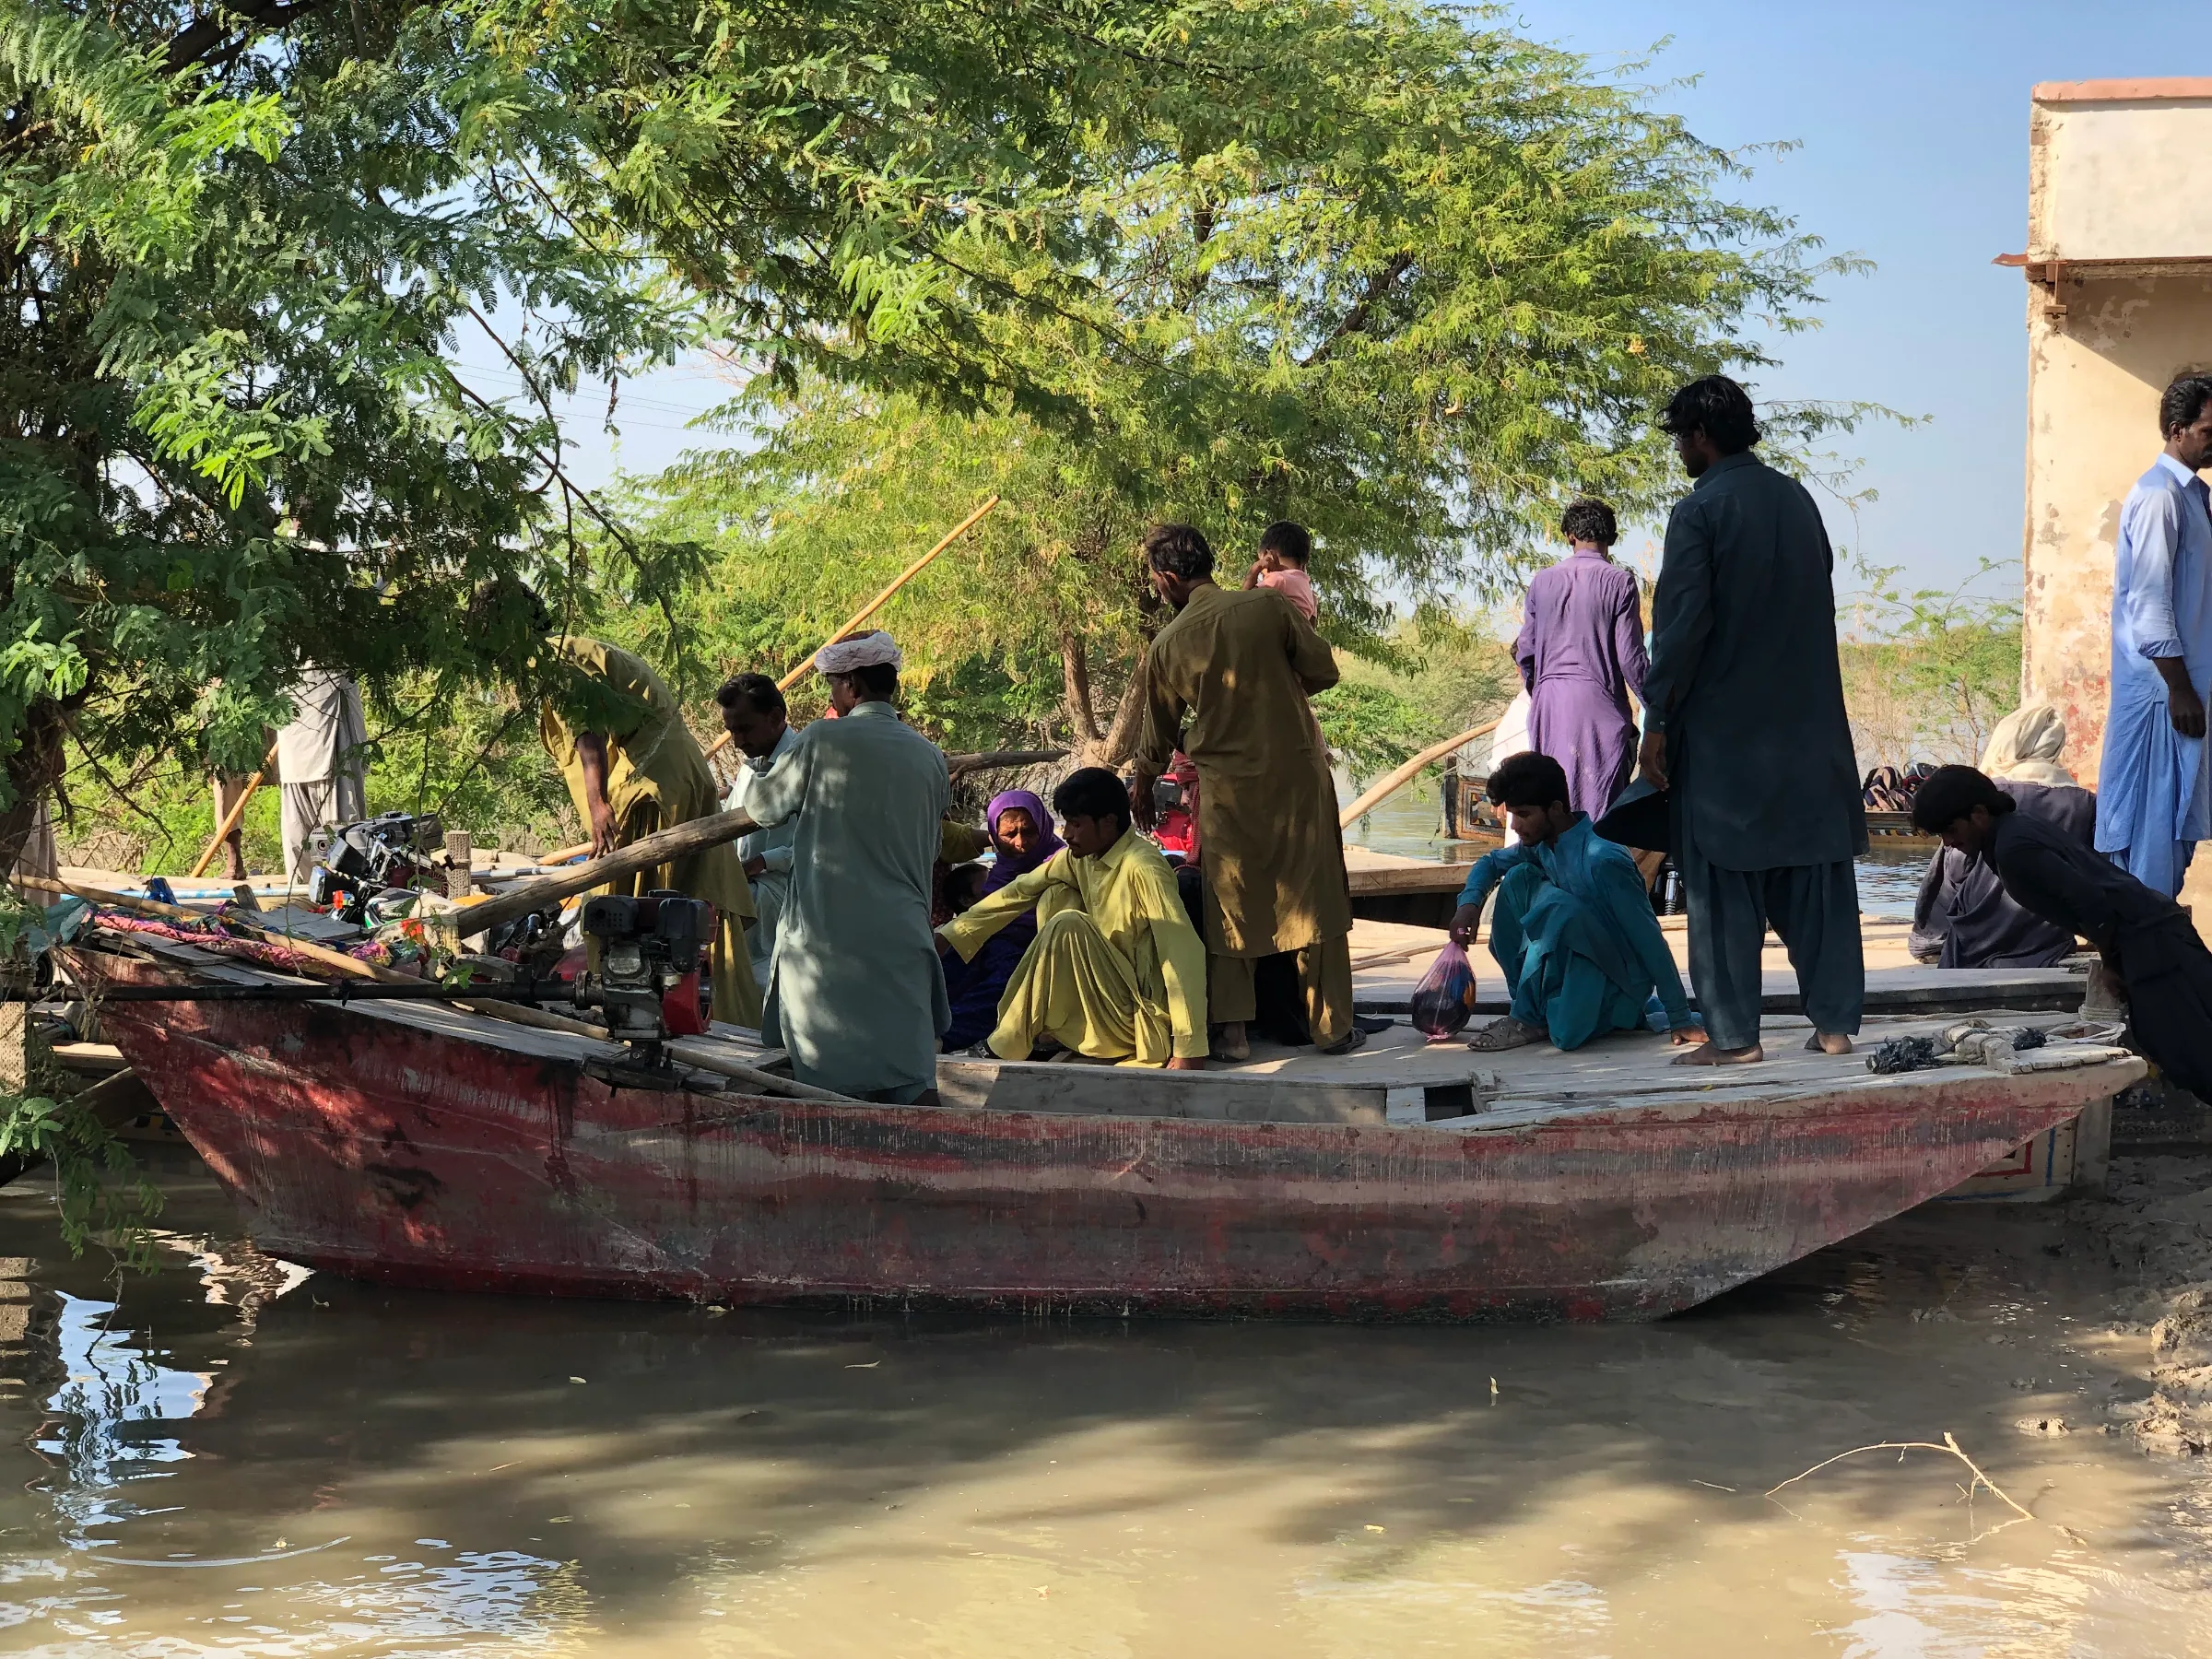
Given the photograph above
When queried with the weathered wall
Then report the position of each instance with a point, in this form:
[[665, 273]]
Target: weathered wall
[[2119, 301], [2094, 376]]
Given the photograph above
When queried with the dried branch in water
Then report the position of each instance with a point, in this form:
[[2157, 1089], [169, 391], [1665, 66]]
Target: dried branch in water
[[1950, 1445]]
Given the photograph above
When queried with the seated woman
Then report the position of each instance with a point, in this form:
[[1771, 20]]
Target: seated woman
[[1963, 917], [1574, 931], [1021, 835]]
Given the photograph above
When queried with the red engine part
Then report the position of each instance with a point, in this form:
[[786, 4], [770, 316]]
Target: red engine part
[[684, 1009]]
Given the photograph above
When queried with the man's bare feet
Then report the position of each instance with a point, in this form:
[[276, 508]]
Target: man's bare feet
[[1506, 1033], [1232, 1043], [1712, 1053], [1828, 1043]]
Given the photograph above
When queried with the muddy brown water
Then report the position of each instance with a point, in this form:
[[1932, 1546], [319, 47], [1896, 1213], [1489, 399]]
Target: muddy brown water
[[197, 1464]]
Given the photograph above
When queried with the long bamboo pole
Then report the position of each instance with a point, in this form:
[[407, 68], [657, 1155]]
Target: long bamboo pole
[[875, 604], [1408, 772], [238, 810]]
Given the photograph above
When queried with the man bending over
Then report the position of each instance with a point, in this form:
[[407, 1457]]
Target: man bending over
[[1573, 932], [1117, 972], [2145, 939]]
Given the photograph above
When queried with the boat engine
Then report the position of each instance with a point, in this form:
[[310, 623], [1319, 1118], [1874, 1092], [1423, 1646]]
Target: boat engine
[[354, 862], [651, 982]]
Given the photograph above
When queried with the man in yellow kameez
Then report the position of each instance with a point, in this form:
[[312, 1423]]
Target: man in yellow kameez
[[1116, 971], [632, 767], [1227, 681]]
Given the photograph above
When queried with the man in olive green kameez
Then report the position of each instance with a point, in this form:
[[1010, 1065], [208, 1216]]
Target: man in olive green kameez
[[1238, 667], [632, 767]]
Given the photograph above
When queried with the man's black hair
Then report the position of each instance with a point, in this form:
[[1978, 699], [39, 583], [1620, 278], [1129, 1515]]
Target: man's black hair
[[499, 604], [1528, 780], [1952, 793], [1092, 792], [1288, 541], [1180, 551], [2182, 402], [1591, 520], [757, 690], [964, 885], [1717, 406]]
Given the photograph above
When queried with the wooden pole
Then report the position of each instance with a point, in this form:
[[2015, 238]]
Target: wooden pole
[[1408, 772], [662, 846], [875, 604], [238, 810], [956, 765]]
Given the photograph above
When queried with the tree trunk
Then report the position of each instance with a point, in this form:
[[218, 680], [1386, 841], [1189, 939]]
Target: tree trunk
[[1119, 742], [1074, 674], [33, 771]]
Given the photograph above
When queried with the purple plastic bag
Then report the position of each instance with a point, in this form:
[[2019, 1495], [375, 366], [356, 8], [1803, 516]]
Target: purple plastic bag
[[1445, 1000]]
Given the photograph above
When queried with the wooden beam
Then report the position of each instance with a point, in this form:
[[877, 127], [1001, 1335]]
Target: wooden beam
[[1406, 774], [662, 846], [238, 810]]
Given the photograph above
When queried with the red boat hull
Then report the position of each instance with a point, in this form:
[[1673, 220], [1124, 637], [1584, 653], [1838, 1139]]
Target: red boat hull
[[368, 1147]]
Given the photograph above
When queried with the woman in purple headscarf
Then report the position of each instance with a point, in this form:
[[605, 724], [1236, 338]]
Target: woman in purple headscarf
[[1022, 839]]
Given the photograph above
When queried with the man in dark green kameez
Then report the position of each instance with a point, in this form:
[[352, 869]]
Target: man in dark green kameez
[[1745, 723]]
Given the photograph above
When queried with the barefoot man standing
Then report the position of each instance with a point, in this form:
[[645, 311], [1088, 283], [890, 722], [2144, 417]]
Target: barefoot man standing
[[1744, 723]]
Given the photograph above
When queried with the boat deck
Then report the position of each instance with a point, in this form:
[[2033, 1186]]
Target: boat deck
[[1397, 1078]]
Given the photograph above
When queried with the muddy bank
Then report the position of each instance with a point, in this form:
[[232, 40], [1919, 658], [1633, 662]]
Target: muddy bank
[[2155, 1223]]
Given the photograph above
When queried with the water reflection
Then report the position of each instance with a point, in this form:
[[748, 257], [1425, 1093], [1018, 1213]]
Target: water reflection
[[355, 1470], [111, 1420]]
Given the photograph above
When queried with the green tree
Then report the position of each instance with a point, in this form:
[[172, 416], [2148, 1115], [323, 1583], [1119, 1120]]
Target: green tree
[[248, 250], [1394, 271]]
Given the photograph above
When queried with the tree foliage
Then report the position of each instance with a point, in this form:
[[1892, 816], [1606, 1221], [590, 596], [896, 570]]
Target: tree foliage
[[248, 252], [1388, 270]]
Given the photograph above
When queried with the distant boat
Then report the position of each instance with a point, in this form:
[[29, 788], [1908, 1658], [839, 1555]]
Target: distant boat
[[421, 1144]]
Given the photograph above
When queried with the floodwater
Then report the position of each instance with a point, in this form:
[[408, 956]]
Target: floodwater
[[230, 1458], [1410, 825]]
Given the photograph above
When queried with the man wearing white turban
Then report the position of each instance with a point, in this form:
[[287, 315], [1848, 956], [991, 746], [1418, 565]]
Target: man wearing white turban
[[855, 990]]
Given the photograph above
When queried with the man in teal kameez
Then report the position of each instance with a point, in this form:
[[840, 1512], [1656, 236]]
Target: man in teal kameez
[[1573, 930]]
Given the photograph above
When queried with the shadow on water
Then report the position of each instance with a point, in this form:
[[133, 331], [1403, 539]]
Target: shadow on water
[[233, 1460]]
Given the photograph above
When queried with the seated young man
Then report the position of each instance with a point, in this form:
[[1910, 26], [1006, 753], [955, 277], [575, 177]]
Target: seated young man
[[1117, 972], [2148, 941], [1574, 931]]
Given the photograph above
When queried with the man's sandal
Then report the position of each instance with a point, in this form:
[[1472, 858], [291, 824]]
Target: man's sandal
[[1506, 1033]]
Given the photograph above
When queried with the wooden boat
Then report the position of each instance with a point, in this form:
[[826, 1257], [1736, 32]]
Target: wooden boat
[[421, 1144]]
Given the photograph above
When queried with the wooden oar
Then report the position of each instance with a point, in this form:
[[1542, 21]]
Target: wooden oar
[[875, 604], [1408, 772], [238, 810]]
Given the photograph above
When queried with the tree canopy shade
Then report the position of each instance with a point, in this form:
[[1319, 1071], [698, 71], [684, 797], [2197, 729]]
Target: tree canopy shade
[[246, 250]]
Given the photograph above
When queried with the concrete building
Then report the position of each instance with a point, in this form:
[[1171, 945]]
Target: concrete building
[[2119, 267]]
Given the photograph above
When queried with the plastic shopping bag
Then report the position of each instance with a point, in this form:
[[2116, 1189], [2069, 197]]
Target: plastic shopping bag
[[1445, 1000]]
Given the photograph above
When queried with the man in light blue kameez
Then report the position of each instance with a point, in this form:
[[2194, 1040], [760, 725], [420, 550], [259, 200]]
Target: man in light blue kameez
[[2154, 787], [1573, 930], [753, 714], [855, 991]]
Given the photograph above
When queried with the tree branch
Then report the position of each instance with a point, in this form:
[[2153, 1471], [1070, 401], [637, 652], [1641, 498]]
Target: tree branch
[[1355, 320], [203, 37]]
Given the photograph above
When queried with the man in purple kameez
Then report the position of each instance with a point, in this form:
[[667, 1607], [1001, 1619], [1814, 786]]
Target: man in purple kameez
[[1581, 652]]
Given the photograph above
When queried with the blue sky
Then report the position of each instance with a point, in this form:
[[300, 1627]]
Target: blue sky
[[1913, 126]]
